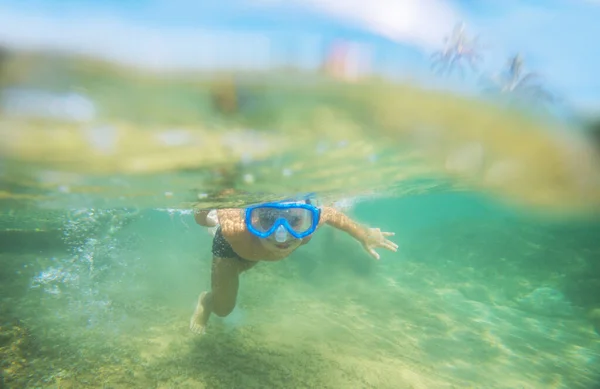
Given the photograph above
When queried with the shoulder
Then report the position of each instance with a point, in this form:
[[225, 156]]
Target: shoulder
[[232, 222]]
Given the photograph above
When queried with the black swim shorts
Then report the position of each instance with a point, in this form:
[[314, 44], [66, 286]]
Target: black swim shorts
[[221, 247]]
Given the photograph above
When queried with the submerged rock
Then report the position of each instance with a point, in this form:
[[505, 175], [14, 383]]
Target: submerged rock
[[548, 302]]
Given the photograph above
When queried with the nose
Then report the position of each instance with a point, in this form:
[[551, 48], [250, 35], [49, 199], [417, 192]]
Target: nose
[[281, 234]]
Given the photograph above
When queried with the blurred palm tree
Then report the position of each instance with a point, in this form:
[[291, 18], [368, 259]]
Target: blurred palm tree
[[520, 84], [593, 129], [458, 48]]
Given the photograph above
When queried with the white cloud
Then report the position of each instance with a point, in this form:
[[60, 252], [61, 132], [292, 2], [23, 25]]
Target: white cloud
[[422, 23]]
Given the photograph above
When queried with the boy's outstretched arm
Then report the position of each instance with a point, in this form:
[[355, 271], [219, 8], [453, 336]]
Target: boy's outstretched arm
[[370, 238]]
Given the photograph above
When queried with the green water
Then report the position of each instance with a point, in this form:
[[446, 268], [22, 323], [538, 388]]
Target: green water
[[109, 307], [102, 261]]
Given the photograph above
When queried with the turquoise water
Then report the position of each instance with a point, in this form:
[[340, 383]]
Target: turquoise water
[[102, 261], [476, 296]]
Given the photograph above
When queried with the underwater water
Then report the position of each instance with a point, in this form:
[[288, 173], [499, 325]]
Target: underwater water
[[494, 285]]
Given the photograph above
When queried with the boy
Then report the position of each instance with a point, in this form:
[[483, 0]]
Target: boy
[[266, 232]]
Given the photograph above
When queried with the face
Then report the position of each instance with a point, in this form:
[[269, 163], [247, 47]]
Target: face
[[264, 219]]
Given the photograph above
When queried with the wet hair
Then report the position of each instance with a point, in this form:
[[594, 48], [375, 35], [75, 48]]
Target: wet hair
[[296, 200]]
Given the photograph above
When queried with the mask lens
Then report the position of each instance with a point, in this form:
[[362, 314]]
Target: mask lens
[[263, 219], [299, 219]]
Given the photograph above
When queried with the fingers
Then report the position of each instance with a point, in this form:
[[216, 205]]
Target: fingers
[[390, 246], [383, 243], [389, 243], [374, 254]]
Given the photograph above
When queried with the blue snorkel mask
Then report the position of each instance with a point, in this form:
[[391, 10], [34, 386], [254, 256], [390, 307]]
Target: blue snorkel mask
[[294, 218]]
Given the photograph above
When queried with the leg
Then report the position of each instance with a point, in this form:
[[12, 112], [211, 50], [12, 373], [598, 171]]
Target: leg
[[223, 295]]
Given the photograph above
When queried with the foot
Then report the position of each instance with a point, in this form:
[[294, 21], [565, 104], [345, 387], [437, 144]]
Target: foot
[[200, 317]]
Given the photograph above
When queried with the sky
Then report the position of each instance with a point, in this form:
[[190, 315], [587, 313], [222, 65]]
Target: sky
[[557, 38]]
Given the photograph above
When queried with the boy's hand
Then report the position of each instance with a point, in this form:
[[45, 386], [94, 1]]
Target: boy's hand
[[206, 218], [212, 220], [377, 239]]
